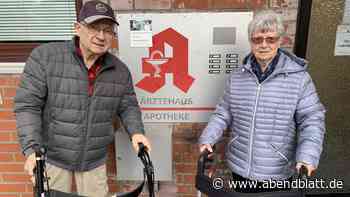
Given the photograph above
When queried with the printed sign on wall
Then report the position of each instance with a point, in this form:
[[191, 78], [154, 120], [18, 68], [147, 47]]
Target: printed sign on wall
[[181, 77]]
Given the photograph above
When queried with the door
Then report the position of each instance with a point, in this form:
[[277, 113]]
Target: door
[[331, 75]]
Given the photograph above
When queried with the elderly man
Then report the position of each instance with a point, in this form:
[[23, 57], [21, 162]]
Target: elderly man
[[271, 109], [68, 95]]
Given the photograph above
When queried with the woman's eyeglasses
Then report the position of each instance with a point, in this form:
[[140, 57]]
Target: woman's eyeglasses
[[260, 39]]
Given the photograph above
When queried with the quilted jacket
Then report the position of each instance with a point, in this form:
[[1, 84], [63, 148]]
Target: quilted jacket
[[273, 124], [53, 107]]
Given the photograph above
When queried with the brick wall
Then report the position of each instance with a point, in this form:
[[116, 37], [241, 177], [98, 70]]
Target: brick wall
[[14, 182]]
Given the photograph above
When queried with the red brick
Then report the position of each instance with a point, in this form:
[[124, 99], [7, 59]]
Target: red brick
[[181, 148], [124, 186], [153, 4], [29, 187], [9, 148], [191, 4], [7, 125], [190, 179], [13, 136], [224, 4], [5, 136], [16, 178], [112, 188], [111, 181], [9, 80], [12, 188], [7, 103], [179, 178], [8, 92], [186, 168], [179, 168], [257, 4], [122, 5], [186, 135], [27, 195], [7, 115], [12, 167], [178, 157], [111, 168], [6, 157], [199, 127], [183, 189], [190, 157], [183, 126], [11, 195], [19, 157]]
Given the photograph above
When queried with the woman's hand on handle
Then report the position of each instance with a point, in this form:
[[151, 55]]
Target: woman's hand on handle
[[310, 168], [203, 147]]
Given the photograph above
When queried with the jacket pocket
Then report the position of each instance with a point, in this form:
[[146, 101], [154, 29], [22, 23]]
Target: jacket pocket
[[234, 138], [230, 146], [277, 150]]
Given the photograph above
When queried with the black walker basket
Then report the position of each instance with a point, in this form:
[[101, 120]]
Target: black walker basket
[[41, 178], [204, 184]]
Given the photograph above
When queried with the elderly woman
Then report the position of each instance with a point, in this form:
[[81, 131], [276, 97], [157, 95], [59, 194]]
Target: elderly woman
[[271, 109]]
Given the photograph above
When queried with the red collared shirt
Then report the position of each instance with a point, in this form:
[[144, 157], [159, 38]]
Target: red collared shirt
[[92, 71]]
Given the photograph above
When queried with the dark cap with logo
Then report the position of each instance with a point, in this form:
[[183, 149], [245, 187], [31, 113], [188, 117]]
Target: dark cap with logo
[[96, 10]]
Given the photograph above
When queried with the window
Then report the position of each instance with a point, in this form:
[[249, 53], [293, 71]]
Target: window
[[25, 24]]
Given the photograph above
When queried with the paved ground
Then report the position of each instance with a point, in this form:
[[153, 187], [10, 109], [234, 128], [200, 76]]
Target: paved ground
[[167, 190]]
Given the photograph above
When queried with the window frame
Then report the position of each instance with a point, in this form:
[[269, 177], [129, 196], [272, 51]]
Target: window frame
[[11, 52]]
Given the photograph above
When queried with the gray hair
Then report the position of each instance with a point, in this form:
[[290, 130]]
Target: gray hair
[[266, 20]]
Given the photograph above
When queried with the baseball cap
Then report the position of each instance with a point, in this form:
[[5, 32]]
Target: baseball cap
[[96, 10]]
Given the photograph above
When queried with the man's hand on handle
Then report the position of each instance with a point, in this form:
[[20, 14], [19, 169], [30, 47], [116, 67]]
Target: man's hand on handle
[[140, 138], [29, 166]]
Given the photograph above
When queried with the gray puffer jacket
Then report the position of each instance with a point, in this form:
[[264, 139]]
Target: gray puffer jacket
[[53, 107], [273, 125]]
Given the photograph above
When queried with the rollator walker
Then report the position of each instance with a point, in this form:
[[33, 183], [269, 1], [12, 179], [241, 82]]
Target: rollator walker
[[41, 179], [204, 184]]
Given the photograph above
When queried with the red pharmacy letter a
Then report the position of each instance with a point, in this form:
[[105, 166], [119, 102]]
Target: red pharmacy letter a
[[169, 54]]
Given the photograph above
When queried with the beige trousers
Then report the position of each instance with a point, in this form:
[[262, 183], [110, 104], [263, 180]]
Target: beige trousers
[[91, 183]]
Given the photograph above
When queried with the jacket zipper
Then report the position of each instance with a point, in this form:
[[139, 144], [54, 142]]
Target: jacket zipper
[[253, 120], [82, 155], [252, 130], [85, 133], [85, 128], [87, 117]]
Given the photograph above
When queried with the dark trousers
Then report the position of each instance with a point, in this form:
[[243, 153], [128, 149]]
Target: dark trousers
[[257, 189]]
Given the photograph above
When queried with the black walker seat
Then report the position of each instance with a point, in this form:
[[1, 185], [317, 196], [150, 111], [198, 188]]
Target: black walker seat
[[204, 184], [41, 178]]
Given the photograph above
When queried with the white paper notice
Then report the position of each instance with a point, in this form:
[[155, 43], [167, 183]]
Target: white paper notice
[[342, 42], [140, 33]]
